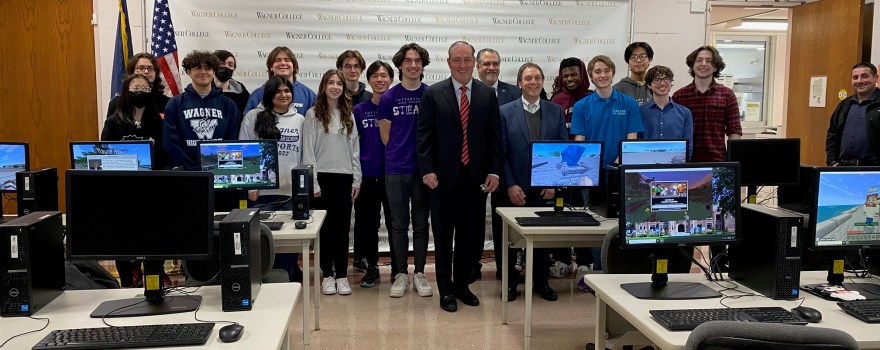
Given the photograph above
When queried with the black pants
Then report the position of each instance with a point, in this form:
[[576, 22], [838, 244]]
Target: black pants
[[366, 220], [457, 215], [336, 200]]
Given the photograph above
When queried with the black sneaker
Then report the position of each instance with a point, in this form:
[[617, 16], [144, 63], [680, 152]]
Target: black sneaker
[[370, 278], [360, 264]]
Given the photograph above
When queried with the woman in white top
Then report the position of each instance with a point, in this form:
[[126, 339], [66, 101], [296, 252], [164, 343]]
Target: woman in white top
[[330, 144], [277, 122]]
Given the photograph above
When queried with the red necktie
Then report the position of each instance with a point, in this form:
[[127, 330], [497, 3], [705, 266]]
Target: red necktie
[[465, 107]]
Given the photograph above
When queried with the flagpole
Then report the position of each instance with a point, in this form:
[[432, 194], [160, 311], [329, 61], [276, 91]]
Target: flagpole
[[145, 44]]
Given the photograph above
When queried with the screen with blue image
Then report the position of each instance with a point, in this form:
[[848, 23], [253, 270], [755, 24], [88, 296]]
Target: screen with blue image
[[241, 164], [846, 211], [565, 163], [13, 158], [653, 152], [121, 155]]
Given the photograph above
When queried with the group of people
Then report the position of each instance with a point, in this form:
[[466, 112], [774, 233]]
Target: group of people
[[416, 150]]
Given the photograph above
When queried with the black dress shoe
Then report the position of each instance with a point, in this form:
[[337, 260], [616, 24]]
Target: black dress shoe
[[511, 294], [466, 297], [448, 303], [546, 293]]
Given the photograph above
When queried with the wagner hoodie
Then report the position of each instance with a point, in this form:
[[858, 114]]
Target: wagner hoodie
[[190, 118]]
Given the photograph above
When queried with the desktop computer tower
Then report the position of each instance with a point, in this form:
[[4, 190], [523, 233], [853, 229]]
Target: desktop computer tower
[[241, 272], [31, 263], [37, 190], [605, 199], [768, 256], [301, 178], [798, 197]]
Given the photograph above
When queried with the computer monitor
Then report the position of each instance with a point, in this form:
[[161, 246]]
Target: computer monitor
[[672, 151], [112, 155], [147, 215], [13, 158], [572, 164], [678, 205], [766, 162], [241, 165]]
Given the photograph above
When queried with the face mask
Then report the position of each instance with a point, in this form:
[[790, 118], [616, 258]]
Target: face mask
[[223, 74], [139, 98]]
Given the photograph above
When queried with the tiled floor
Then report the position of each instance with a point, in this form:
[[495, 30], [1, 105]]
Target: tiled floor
[[370, 319]]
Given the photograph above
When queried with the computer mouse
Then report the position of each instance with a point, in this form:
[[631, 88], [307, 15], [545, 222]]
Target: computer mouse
[[231, 333], [809, 314], [299, 225]]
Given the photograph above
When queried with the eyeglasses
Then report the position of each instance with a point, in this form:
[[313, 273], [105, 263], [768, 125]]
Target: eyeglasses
[[139, 89], [662, 80], [642, 57], [351, 67], [144, 69]]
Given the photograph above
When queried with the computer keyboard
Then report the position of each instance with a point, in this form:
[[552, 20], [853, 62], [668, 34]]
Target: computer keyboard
[[263, 216], [143, 336], [688, 319], [865, 310], [556, 221], [563, 214], [274, 225]]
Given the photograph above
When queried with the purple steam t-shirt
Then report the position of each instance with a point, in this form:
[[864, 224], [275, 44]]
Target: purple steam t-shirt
[[372, 149], [401, 107]]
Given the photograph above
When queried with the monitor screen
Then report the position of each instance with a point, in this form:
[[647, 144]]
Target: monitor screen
[[241, 165], [846, 211], [119, 215], [112, 155], [679, 204], [653, 151], [767, 162], [13, 158], [565, 163]]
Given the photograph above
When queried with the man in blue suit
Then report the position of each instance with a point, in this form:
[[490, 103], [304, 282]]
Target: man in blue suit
[[488, 70], [525, 120]]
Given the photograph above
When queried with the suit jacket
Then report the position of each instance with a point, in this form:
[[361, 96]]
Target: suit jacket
[[439, 137], [507, 93], [515, 137]]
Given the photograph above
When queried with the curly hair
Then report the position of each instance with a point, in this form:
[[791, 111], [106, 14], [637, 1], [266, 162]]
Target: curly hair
[[201, 58], [717, 61], [322, 106]]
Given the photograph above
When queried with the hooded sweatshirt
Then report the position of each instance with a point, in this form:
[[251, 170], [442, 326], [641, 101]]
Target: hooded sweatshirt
[[238, 93], [289, 146], [361, 95], [190, 118], [567, 99], [633, 89]]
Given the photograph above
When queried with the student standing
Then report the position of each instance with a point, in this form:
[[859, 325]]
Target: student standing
[[330, 144]]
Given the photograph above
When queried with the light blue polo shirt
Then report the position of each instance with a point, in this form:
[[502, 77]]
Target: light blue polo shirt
[[608, 120]]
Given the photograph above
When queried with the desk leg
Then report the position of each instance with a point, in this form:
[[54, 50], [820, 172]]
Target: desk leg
[[306, 291], [530, 265], [505, 245], [317, 282], [601, 322], [285, 344]]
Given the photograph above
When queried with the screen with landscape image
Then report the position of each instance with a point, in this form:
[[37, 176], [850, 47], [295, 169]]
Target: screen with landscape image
[[847, 209], [681, 205], [136, 155], [566, 164], [241, 164], [653, 152], [13, 158]]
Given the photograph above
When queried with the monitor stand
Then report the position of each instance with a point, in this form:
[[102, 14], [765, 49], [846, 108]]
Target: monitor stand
[[559, 210], [153, 302], [661, 289]]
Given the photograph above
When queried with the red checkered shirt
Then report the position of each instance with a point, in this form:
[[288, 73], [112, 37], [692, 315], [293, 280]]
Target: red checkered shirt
[[715, 114]]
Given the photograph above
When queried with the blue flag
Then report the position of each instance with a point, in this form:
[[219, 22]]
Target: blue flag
[[123, 51]]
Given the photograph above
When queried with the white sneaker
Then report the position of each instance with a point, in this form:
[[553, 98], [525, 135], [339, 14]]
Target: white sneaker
[[342, 286], [421, 285], [399, 286], [328, 286]]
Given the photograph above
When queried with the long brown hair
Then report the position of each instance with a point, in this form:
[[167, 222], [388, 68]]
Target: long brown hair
[[322, 111]]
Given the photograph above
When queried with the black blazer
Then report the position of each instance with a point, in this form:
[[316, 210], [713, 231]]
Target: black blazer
[[439, 138], [515, 136], [507, 93]]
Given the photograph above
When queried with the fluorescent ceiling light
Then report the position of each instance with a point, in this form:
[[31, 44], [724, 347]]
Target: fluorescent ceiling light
[[754, 24]]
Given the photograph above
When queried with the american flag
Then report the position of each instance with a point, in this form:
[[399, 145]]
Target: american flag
[[164, 47]]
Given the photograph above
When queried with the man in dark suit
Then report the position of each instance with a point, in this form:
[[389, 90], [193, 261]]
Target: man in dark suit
[[459, 152], [525, 120], [488, 70]]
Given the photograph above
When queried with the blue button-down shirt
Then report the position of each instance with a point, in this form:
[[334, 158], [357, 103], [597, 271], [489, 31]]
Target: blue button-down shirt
[[608, 120], [674, 121]]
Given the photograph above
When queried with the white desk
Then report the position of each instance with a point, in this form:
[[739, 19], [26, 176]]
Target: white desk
[[291, 240], [265, 327], [541, 237], [621, 319]]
